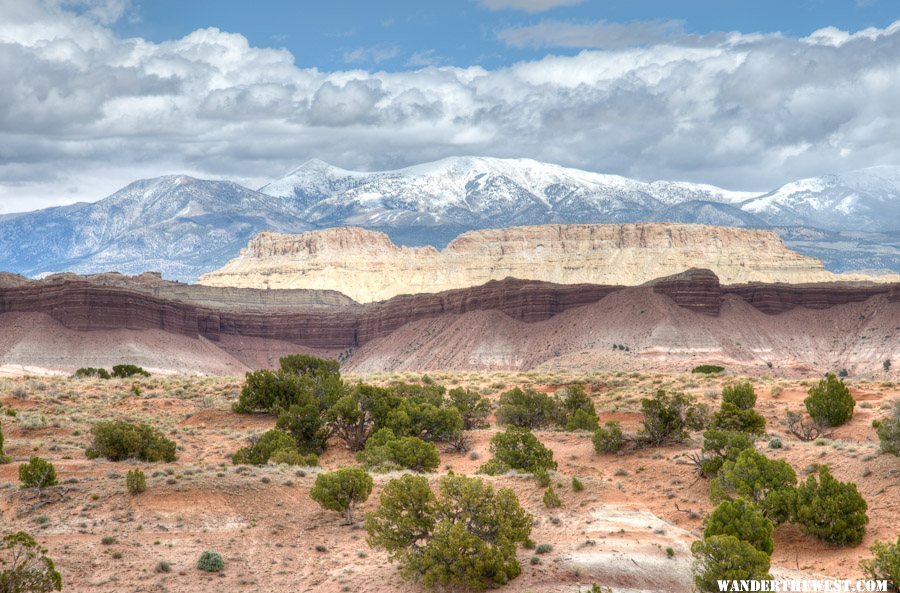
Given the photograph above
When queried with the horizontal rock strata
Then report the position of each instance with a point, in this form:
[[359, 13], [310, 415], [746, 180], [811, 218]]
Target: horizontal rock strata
[[332, 322], [367, 266]]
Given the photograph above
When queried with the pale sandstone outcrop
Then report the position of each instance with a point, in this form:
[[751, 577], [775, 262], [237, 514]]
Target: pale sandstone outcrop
[[366, 266]]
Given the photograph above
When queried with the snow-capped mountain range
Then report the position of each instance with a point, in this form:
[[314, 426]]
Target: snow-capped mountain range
[[183, 226]]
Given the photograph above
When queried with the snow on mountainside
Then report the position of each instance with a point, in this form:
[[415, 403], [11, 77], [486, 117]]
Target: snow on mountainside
[[867, 199], [476, 192], [184, 227], [175, 224]]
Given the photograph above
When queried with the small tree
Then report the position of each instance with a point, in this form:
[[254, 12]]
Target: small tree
[[769, 483], [85, 372], [720, 446], [136, 481], [3, 457], [24, 566], [741, 519], [884, 564], [472, 406], [829, 402], [888, 431], [341, 490], [37, 473], [385, 452], [576, 410], [609, 438], [804, 428], [736, 412], [259, 453], [517, 448], [725, 557], [467, 538], [124, 371], [525, 408], [271, 391], [352, 418], [581, 420], [832, 511], [118, 441], [668, 417], [304, 422]]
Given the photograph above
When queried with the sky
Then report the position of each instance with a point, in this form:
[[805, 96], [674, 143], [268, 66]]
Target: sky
[[744, 95]]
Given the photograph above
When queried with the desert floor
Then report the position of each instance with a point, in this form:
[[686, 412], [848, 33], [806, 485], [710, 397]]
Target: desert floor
[[273, 537]]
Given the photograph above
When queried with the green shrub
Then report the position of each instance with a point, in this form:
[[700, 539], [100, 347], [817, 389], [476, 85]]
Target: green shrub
[[725, 557], [888, 431], [830, 510], [472, 406], [353, 417], [210, 561], [527, 409], [136, 481], [466, 538], [308, 365], [342, 490], [884, 564], [707, 369], [123, 371], [775, 443], [37, 473], [423, 419], [742, 520], [720, 446], [518, 448], [264, 448], [3, 458], [829, 402], [768, 483], [495, 467], [576, 410], [385, 452], [305, 423], [85, 372], [581, 420], [24, 566], [541, 477], [294, 457], [730, 417], [117, 441], [668, 417], [577, 486], [609, 439], [551, 499], [740, 395], [301, 379]]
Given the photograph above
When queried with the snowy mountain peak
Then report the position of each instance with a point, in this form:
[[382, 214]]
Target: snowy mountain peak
[[184, 226], [864, 199]]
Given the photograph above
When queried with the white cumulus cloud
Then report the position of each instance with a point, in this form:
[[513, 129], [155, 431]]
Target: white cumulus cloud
[[83, 111]]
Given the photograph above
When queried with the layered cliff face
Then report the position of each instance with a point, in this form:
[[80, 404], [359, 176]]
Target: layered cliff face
[[367, 266], [70, 321]]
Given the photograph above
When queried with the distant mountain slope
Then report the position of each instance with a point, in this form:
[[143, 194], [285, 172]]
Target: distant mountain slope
[[482, 192], [863, 200], [184, 227], [175, 224]]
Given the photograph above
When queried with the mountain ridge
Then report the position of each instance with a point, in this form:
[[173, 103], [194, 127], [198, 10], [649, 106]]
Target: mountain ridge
[[183, 226]]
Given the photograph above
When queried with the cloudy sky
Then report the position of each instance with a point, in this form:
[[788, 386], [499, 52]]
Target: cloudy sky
[[745, 95]]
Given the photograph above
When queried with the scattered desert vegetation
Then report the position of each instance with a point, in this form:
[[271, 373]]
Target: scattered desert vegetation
[[303, 475]]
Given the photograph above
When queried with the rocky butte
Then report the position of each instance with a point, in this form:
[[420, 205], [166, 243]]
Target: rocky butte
[[366, 266]]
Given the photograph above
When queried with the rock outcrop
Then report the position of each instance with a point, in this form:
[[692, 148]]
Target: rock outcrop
[[367, 266], [329, 322]]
